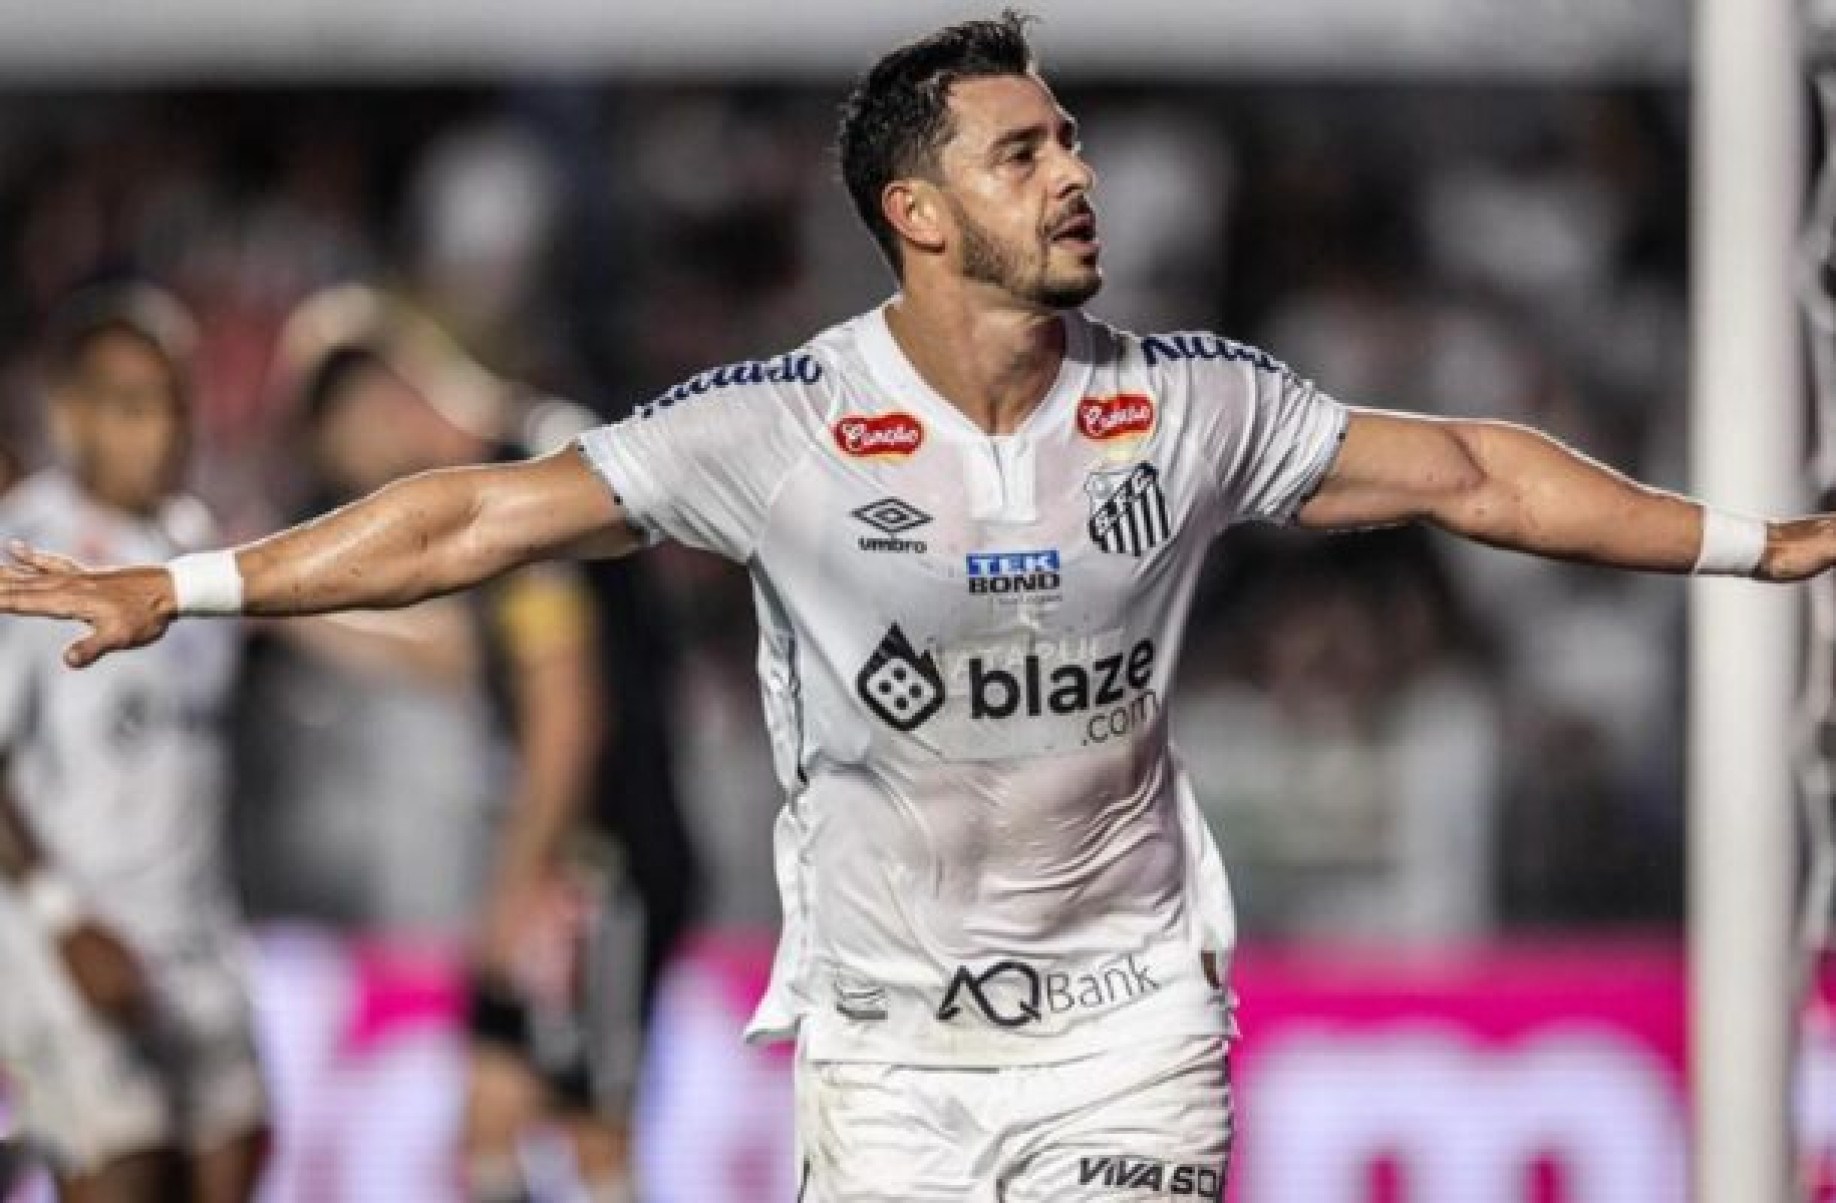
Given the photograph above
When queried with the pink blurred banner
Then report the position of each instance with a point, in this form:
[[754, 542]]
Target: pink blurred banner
[[1502, 1074], [1514, 1075]]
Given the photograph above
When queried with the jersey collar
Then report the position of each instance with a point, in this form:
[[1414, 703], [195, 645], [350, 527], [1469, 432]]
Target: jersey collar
[[895, 373]]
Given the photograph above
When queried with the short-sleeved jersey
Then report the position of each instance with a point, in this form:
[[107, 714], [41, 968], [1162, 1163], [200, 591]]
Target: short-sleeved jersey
[[119, 768], [989, 854]]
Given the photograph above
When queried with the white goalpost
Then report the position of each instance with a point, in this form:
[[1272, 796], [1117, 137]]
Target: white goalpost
[[1746, 453]]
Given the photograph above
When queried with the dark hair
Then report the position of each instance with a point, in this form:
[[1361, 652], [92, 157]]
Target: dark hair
[[899, 112], [325, 382], [149, 315]]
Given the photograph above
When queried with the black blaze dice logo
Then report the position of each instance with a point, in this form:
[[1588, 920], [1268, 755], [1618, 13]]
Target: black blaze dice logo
[[901, 686]]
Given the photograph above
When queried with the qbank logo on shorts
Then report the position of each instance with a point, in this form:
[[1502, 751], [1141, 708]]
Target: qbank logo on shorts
[[1013, 994], [1005, 994]]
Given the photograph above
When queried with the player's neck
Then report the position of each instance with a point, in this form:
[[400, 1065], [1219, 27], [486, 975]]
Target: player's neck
[[994, 362]]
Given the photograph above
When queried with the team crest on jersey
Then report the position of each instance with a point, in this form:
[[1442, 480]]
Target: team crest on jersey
[[882, 436], [1128, 512], [1123, 416]]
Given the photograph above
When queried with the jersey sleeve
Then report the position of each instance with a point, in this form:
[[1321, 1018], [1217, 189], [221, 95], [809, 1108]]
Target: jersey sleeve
[[1270, 434], [703, 463]]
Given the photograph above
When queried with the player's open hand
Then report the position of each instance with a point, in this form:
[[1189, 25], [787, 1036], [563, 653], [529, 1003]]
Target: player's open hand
[[106, 972], [123, 607], [1799, 549]]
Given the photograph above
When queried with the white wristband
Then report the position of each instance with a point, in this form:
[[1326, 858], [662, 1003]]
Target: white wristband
[[207, 583], [1732, 544], [52, 902]]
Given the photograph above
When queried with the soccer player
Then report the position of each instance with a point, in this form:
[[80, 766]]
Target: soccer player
[[124, 1016], [974, 517]]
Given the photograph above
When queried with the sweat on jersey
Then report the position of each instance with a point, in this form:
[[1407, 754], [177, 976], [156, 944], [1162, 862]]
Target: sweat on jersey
[[120, 768], [989, 854]]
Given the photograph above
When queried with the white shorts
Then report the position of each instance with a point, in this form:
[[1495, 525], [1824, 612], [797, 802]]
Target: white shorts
[[1129, 1126], [89, 1093]]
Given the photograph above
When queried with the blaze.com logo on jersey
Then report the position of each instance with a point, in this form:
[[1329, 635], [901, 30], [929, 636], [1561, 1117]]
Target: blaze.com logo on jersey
[[1095, 682]]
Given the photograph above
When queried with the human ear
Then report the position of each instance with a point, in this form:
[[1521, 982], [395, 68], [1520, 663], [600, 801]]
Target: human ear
[[916, 210]]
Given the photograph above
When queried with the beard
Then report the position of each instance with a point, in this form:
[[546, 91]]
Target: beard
[[987, 260]]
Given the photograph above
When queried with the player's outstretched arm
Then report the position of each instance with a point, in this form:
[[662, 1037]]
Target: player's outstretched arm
[[414, 539], [1516, 488]]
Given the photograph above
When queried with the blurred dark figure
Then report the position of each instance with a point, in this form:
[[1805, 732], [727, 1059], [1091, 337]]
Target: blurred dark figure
[[436, 716], [124, 1015], [1347, 753], [487, 253]]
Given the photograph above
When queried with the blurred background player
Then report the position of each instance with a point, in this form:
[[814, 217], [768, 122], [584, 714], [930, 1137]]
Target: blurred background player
[[124, 1021], [383, 748]]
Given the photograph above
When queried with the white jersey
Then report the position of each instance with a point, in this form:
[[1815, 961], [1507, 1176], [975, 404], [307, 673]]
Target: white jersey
[[120, 768], [989, 854]]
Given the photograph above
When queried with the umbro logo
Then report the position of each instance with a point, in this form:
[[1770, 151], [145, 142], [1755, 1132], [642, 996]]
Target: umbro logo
[[900, 685], [892, 518]]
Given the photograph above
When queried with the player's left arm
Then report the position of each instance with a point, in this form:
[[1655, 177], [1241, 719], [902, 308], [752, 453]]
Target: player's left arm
[[1516, 488]]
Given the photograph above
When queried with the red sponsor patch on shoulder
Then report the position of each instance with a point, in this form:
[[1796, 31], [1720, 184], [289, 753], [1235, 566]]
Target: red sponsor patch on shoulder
[[1125, 415], [895, 434]]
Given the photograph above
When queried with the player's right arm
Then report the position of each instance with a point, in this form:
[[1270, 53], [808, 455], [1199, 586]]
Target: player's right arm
[[417, 538]]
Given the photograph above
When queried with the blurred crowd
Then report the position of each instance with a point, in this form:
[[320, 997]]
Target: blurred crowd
[[1397, 737]]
